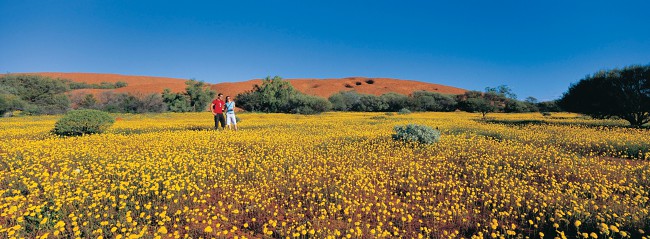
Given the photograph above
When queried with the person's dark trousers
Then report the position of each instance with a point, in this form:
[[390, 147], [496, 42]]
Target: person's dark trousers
[[219, 119]]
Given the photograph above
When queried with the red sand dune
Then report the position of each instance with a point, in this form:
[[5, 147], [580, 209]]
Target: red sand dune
[[319, 87], [327, 87]]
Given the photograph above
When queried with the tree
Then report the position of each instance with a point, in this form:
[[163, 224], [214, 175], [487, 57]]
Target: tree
[[502, 90], [176, 102], [152, 103], [275, 95], [88, 102], [41, 95], [308, 104], [531, 103], [271, 96], [369, 103], [548, 106], [432, 101], [515, 106], [395, 101], [250, 101], [199, 95], [484, 103], [480, 105], [344, 100], [623, 93], [531, 100], [9, 103]]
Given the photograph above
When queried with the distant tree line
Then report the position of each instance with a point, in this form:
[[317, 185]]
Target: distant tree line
[[619, 93], [277, 95], [35, 94], [195, 98], [103, 85]]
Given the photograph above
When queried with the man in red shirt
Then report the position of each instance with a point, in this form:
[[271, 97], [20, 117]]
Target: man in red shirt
[[217, 110]]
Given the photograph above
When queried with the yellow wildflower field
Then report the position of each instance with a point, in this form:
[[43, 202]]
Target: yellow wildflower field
[[334, 175]]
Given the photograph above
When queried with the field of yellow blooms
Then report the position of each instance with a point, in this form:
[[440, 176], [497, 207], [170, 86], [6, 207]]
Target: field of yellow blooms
[[335, 175]]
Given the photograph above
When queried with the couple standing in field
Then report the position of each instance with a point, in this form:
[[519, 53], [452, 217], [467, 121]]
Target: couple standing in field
[[218, 107]]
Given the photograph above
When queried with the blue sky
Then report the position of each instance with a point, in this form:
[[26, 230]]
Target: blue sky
[[538, 48]]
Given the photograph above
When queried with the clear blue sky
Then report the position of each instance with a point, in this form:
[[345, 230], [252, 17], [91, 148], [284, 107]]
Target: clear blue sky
[[538, 48]]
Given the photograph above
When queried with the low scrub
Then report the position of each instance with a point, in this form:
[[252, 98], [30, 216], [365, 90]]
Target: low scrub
[[404, 111], [80, 122], [416, 133]]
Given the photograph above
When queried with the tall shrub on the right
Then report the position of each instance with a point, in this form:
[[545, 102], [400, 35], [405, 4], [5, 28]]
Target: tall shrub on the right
[[624, 93]]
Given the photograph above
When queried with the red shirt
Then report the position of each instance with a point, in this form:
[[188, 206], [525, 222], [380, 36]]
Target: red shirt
[[218, 106]]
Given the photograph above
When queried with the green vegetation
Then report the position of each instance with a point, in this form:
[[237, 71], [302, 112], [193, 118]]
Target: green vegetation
[[121, 102], [104, 85], [622, 93], [404, 111], [196, 97], [80, 122], [416, 133], [279, 96], [33, 94]]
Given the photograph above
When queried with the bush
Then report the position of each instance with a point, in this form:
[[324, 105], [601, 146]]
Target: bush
[[431, 101], [515, 106], [548, 106], [128, 103], [36, 94], [103, 85], [120, 84], [344, 100], [9, 103], [416, 133], [404, 111], [395, 101], [80, 122], [301, 103], [275, 95], [622, 93], [370, 103], [272, 96]]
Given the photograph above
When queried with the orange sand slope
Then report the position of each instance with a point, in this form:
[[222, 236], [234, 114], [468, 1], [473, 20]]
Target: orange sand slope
[[328, 87], [318, 87]]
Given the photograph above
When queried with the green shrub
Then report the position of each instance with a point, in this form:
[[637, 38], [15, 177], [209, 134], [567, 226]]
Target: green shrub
[[344, 100], [300, 103], [416, 133], [404, 111], [395, 101], [432, 101], [120, 84], [80, 122], [36, 94]]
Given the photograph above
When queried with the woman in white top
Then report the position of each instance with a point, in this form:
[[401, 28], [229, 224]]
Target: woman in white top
[[230, 113]]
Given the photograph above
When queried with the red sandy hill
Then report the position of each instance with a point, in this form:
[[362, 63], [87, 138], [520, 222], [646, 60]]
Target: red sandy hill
[[319, 87]]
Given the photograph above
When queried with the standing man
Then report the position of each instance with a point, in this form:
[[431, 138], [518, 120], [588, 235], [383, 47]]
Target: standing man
[[217, 110]]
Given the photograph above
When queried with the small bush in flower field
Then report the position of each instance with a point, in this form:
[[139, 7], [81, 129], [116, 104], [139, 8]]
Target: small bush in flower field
[[80, 122], [416, 133]]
